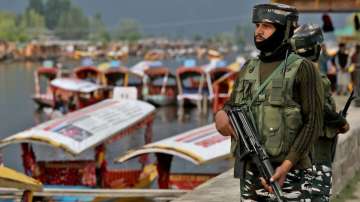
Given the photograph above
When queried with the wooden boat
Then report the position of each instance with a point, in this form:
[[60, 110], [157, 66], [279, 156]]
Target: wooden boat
[[88, 73], [113, 75], [161, 86], [116, 77], [222, 89], [90, 129], [44, 97], [12, 179], [137, 74], [200, 146], [195, 84], [71, 94]]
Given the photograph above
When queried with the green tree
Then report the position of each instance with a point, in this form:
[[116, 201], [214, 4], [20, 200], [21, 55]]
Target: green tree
[[32, 23], [240, 36], [73, 24], [128, 30], [197, 37], [37, 6], [9, 30], [54, 10], [223, 38], [244, 34], [98, 31]]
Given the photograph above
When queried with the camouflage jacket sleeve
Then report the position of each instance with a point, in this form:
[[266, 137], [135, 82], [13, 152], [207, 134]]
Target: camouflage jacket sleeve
[[309, 93]]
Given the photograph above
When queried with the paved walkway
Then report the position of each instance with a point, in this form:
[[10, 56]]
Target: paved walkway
[[356, 194]]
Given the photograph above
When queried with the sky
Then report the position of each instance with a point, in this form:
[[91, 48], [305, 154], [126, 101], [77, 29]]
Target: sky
[[175, 17]]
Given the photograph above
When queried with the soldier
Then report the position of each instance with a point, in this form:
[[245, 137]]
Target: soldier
[[287, 113], [306, 42]]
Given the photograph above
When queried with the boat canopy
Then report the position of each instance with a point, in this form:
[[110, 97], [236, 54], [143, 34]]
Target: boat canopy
[[201, 145], [48, 72], [88, 127], [158, 72], [11, 179], [75, 85]]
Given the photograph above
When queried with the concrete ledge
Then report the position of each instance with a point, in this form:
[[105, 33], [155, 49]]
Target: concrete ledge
[[219, 189], [347, 155], [225, 188]]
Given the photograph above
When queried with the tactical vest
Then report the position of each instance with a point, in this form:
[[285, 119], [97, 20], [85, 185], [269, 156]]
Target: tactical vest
[[322, 152], [277, 115]]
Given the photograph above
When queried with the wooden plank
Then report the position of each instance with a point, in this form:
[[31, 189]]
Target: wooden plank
[[323, 5], [106, 193]]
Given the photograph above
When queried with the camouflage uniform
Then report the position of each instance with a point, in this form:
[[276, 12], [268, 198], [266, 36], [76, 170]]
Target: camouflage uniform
[[297, 187], [306, 42], [277, 114], [322, 153], [321, 182]]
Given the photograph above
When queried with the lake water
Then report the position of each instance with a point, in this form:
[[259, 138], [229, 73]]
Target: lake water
[[18, 112]]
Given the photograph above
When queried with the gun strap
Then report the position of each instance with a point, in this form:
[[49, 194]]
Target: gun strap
[[292, 58]]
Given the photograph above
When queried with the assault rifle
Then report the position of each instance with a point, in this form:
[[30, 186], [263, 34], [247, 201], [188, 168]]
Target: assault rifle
[[342, 113], [246, 136]]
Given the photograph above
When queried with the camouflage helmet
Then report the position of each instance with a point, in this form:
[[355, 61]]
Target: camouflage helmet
[[275, 13], [307, 38]]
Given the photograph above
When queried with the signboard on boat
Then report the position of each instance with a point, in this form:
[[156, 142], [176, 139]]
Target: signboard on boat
[[86, 128], [200, 145]]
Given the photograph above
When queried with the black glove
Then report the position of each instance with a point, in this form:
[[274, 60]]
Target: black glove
[[333, 119]]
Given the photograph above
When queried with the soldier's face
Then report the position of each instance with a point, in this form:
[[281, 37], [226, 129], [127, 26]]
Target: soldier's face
[[263, 31]]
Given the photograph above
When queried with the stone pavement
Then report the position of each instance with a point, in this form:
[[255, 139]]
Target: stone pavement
[[356, 195]]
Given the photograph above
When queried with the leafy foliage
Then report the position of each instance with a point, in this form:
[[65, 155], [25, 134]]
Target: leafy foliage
[[54, 10], [32, 23], [98, 31], [128, 30], [37, 6], [73, 24], [8, 28]]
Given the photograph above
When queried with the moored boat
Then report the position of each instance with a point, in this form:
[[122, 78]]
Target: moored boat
[[161, 86], [88, 73], [222, 89], [201, 146], [43, 96], [92, 129], [195, 84], [71, 94]]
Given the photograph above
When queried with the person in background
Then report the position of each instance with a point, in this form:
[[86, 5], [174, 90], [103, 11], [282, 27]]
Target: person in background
[[342, 63], [324, 60], [306, 42], [326, 67], [355, 61]]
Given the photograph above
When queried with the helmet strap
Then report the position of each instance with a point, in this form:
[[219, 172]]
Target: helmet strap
[[287, 29]]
